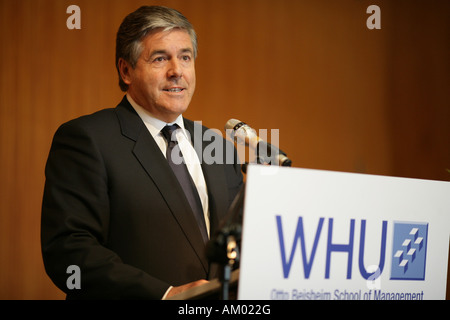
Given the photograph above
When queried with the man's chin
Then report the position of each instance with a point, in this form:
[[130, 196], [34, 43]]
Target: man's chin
[[170, 114]]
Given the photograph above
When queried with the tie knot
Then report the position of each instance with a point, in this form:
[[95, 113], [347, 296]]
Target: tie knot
[[167, 132]]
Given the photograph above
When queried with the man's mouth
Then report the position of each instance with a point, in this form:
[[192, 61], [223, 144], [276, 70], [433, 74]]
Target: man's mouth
[[173, 89]]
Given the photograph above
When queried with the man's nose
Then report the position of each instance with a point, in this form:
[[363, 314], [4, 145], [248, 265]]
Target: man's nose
[[175, 70]]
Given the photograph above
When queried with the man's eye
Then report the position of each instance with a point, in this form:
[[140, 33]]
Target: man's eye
[[186, 58], [159, 59]]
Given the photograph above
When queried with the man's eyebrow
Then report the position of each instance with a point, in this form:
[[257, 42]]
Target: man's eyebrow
[[188, 50], [157, 52], [164, 52]]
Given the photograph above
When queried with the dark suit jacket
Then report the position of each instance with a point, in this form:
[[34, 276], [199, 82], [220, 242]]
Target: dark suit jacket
[[113, 207]]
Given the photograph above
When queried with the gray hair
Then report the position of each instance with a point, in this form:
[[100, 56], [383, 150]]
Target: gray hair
[[140, 23]]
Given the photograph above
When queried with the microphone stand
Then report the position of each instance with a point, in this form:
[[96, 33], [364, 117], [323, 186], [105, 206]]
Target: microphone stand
[[224, 248]]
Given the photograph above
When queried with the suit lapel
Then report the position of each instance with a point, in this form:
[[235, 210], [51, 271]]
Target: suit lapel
[[152, 160]]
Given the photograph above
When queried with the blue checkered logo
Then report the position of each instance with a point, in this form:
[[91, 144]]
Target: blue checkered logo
[[409, 251]]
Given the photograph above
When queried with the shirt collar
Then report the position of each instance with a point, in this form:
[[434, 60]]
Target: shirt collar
[[153, 124]]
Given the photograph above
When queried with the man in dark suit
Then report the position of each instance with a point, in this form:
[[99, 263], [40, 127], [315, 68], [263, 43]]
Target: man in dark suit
[[112, 204]]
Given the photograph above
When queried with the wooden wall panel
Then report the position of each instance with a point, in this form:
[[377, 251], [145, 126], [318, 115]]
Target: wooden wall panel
[[340, 94], [419, 99]]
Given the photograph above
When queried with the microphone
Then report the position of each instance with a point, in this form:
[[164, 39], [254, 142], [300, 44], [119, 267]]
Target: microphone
[[244, 134]]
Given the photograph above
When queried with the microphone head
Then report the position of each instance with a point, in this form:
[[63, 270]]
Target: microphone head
[[232, 123]]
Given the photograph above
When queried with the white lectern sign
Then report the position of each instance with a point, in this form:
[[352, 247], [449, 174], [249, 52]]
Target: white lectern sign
[[311, 234]]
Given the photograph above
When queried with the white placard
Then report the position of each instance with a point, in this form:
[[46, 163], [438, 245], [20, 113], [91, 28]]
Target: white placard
[[312, 234]]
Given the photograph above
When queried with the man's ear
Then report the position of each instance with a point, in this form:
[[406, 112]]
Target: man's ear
[[125, 71]]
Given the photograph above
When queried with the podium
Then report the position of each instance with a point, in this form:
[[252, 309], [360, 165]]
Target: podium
[[323, 235], [316, 234], [210, 291]]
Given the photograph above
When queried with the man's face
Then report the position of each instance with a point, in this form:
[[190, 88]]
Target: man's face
[[163, 80]]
